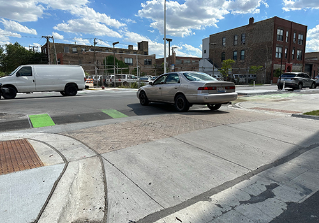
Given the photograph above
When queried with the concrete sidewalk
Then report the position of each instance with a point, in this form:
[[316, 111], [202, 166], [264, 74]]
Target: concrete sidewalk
[[247, 167]]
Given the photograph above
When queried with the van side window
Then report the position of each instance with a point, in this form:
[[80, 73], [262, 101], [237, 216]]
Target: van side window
[[25, 71]]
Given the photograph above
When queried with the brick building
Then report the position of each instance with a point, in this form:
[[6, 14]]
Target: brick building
[[91, 58], [273, 43], [176, 63], [312, 64]]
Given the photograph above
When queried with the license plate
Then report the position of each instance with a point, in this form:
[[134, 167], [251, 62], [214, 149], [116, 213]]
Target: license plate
[[221, 90]]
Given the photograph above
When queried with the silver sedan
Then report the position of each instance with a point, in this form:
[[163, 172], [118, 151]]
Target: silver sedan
[[185, 88]]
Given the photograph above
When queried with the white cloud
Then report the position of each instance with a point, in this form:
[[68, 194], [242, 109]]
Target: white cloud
[[64, 4], [86, 26], [57, 35], [14, 26], [300, 4], [80, 41], [312, 45], [4, 36], [102, 43], [194, 14], [21, 10], [90, 14]]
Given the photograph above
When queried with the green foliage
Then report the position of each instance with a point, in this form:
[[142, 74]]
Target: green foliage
[[255, 69], [277, 72], [110, 61], [226, 67], [315, 113], [2, 74], [14, 55]]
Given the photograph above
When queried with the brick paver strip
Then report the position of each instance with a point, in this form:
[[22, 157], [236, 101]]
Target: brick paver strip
[[17, 155], [276, 110]]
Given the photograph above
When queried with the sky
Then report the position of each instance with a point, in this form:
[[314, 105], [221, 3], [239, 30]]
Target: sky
[[188, 22]]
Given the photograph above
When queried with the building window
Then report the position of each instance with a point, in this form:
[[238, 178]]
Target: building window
[[128, 61], [74, 50], [186, 61], [235, 40], [280, 34], [287, 35], [300, 39], [299, 55], [293, 54], [242, 55], [66, 49], [243, 38], [223, 56], [235, 55], [294, 39], [204, 51], [224, 41], [83, 50], [286, 53], [278, 52], [147, 61]]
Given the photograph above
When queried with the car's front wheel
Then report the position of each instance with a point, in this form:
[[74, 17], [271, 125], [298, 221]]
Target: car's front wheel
[[300, 86], [143, 99], [9, 93], [214, 107], [313, 85], [181, 103]]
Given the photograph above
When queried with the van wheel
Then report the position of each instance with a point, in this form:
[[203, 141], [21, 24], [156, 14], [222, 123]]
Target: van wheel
[[9, 93], [70, 90], [62, 92]]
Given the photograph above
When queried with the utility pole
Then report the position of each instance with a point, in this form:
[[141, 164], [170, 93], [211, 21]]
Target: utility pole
[[48, 47]]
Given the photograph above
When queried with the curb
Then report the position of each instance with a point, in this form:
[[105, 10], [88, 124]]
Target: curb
[[305, 116]]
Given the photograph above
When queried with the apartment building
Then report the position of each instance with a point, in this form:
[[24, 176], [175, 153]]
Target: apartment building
[[92, 58], [273, 43]]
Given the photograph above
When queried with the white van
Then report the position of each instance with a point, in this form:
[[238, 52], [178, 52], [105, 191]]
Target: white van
[[67, 79]]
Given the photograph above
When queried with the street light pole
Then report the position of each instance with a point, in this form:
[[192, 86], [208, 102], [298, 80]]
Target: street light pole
[[213, 44], [114, 62], [164, 36]]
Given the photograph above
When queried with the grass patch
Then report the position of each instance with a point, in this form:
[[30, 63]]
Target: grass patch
[[315, 113]]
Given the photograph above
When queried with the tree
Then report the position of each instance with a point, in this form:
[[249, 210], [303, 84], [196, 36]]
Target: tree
[[255, 69], [109, 60], [14, 55], [226, 67]]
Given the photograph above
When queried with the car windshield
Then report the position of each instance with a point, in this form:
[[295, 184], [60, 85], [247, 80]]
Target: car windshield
[[288, 75], [198, 76]]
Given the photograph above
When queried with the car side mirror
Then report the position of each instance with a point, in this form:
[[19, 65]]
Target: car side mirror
[[18, 74], [150, 83]]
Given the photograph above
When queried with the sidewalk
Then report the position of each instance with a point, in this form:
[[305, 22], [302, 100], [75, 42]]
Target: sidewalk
[[171, 168]]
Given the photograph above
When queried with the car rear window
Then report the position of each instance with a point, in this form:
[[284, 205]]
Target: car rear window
[[198, 76], [288, 75]]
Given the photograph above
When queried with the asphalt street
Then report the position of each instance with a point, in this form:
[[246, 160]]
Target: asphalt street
[[248, 162]]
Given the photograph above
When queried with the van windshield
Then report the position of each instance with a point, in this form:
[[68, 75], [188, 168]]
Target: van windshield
[[13, 72]]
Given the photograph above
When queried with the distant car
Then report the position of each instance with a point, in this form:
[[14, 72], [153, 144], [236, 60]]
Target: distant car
[[295, 80], [185, 88]]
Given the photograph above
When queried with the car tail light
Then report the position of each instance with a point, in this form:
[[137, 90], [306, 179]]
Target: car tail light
[[206, 88], [229, 87]]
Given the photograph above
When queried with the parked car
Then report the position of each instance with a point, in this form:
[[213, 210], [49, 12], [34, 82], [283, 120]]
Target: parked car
[[185, 88], [317, 80], [66, 79], [295, 80]]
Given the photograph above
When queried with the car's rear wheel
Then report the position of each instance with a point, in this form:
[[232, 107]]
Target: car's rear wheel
[[9, 93], [71, 90], [181, 103], [143, 99], [313, 85], [214, 107], [62, 93]]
